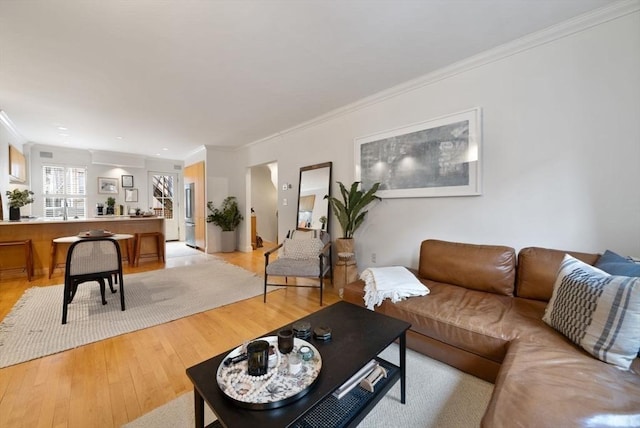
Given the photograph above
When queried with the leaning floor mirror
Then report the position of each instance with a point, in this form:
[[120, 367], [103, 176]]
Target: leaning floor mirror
[[313, 208]]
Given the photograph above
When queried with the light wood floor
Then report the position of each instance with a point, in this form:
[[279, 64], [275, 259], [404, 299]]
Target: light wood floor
[[111, 382]]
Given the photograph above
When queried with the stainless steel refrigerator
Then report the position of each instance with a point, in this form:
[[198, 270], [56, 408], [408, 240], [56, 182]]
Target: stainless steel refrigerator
[[189, 216]]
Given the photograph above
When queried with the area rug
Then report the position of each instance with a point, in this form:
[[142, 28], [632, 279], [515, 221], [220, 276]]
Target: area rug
[[33, 327], [437, 396]]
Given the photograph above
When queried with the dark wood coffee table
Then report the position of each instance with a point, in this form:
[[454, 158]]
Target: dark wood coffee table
[[358, 336]]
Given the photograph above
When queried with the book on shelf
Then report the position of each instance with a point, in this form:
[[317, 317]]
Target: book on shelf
[[355, 379]]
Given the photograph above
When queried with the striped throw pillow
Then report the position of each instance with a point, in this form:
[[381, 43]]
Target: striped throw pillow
[[597, 311]]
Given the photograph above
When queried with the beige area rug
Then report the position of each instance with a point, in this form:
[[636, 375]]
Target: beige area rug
[[33, 327], [438, 396]]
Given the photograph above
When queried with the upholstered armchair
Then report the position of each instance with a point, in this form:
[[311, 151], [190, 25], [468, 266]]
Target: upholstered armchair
[[303, 254]]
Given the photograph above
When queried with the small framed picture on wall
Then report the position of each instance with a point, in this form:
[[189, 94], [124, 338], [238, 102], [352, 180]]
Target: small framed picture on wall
[[108, 185], [127, 181]]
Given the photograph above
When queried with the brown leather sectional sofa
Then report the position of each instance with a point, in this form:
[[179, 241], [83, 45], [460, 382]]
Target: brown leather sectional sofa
[[484, 316]]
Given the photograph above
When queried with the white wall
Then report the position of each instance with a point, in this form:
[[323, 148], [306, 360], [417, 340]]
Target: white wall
[[8, 137], [560, 157]]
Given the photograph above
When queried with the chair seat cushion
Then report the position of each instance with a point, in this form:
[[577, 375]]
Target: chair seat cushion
[[294, 267]]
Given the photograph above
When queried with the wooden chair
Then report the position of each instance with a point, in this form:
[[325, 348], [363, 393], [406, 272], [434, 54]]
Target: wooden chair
[[93, 259]]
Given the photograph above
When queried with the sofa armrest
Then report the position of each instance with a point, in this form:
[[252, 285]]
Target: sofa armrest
[[354, 292]]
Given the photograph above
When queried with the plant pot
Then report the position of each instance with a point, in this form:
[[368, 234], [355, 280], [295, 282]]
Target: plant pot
[[14, 213], [228, 241], [110, 210], [345, 245]]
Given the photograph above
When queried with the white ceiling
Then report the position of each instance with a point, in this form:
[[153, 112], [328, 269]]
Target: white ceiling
[[177, 75]]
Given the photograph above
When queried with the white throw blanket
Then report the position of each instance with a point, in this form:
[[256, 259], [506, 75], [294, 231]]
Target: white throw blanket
[[393, 282]]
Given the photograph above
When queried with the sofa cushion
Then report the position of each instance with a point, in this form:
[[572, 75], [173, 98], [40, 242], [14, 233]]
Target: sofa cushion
[[597, 311], [615, 264], [488, 268], [467, 319], [537, 270], [561, 386]]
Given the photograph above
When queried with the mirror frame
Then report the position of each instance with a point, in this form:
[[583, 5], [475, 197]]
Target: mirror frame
[[311, 168]]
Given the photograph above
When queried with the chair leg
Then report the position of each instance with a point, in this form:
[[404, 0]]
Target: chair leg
[[321, 287], [121, 291], [65, 301], [265, 287], [110, 279], [73, 288], [102, 290]]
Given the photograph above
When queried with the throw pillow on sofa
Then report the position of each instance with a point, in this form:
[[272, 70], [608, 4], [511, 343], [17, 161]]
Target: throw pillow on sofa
[[615, 264], [597, 311]]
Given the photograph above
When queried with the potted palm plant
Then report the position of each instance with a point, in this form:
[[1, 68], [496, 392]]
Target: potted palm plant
[[228, 218], [111, 204], [18, 199], [350, 211]]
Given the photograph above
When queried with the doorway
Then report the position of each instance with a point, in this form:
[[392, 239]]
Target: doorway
[[164, 202], [264, 201]]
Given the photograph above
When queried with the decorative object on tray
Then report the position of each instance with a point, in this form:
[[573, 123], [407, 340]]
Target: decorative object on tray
[[285, 341], [288, 381], [95, 233]]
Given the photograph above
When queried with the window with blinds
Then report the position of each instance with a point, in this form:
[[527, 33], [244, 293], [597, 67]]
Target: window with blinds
[[64, 185]]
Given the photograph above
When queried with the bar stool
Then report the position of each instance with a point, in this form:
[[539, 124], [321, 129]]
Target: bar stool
[[28, 253], [159, 237]]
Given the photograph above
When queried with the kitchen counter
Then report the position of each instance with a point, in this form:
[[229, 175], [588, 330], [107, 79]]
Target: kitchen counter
[[43, 231], [42, 220]]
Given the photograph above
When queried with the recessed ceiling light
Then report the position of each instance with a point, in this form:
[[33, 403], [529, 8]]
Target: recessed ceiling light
[[119, 137], [157, 154], [165, 149], [63, 135], [62, 128]]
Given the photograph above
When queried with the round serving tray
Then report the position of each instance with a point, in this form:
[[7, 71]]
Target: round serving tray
[[279, 389]]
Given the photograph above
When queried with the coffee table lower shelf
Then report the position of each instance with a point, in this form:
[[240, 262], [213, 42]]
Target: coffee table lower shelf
[[347, 411]]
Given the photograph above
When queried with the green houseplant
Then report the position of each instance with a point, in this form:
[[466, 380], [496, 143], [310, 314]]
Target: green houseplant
[[18, 199], [111, 203], [228, 218], [350, 210]]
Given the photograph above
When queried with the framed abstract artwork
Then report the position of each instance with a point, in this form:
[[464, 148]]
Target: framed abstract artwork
[[436, 158]]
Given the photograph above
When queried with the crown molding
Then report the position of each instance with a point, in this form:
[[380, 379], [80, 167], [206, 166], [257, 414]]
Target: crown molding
[[564, 29], [8, 124]]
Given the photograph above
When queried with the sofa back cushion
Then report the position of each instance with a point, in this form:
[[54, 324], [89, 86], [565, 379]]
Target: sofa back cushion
[[538, 268], [490, 268]]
